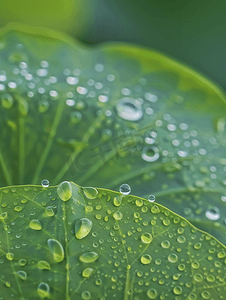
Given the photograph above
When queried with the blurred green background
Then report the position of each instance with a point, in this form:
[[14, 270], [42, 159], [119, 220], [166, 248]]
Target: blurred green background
[[193, 32]]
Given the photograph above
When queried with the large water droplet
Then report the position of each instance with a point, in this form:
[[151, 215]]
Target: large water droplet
[[88, 257], [152, 293], [3, 215], [57, 250], [173, 258], [82, 228], [87, 272], [151, 198], [86, 295], [146, 259], [9, 256], [118, 215], [177, 290], [43, 265], [165, 244], [64, 191], [129, 109], [7, 101], [35, 224], [90, 192], [146, 238], [45, 183], [43, 290], [150, 153], [125, 189], [213, 213], [22, 275]]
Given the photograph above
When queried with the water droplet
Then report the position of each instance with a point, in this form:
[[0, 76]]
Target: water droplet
[[86, 295], [155, 209], [64, 191], [125, 189], [10, 256], [22, 262], [45, 183], [129, 109], [43, 290], [35, 224], [213, 213], [57, 250], [88, 257], [75, 117], [150, 153], [151, 198], [90, 192], [43, 106], [146, 259], [87, 272], [82, 228], [205, 295], [117, 215], [18, 208], [22, 275], [49, 211], [152, 294], [173, 258], [43, 265], [146, 238], [3, 215], [7, 101], [117, 200], [177, 290], [165, 244]]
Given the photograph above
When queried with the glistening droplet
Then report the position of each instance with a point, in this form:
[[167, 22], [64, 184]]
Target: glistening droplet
[[64, 191], [125, 189], [82, 228], [57, 250], [88, 257]]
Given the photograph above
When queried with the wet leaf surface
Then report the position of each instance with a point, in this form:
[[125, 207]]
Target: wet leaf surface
[[133, 250]]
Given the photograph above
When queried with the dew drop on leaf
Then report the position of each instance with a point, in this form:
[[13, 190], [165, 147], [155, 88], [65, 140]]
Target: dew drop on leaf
[[87, 272], [152, 293], [125, 189], [146, 238], [90, 192], [45, 183], [165, 244], [146, 259], [10, 256], [177, 290], [86, 295], [118, 215], [43, 290], [82, 228], [22, 262], [151, 198], [3, 215], [173, 258], [43, 265], [213, 213], [35, 224], [150, 153], [57, 250], [88, 257], [22, 275], [64, 191], [129, 109]]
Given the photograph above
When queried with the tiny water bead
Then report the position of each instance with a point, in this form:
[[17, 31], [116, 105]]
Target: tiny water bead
[[88, 257], [151, 198], [56, 249], [125, 189], [82, 228], [35, 225], [43, 290], [45, 183], [213, 213], [90, 192], [64, 190]]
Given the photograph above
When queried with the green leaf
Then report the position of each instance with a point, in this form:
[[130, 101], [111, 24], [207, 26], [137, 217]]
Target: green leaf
[[92, 247], [110, 115]]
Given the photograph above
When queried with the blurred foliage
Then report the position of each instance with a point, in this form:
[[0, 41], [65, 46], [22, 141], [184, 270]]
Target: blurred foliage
[[190, 31]]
